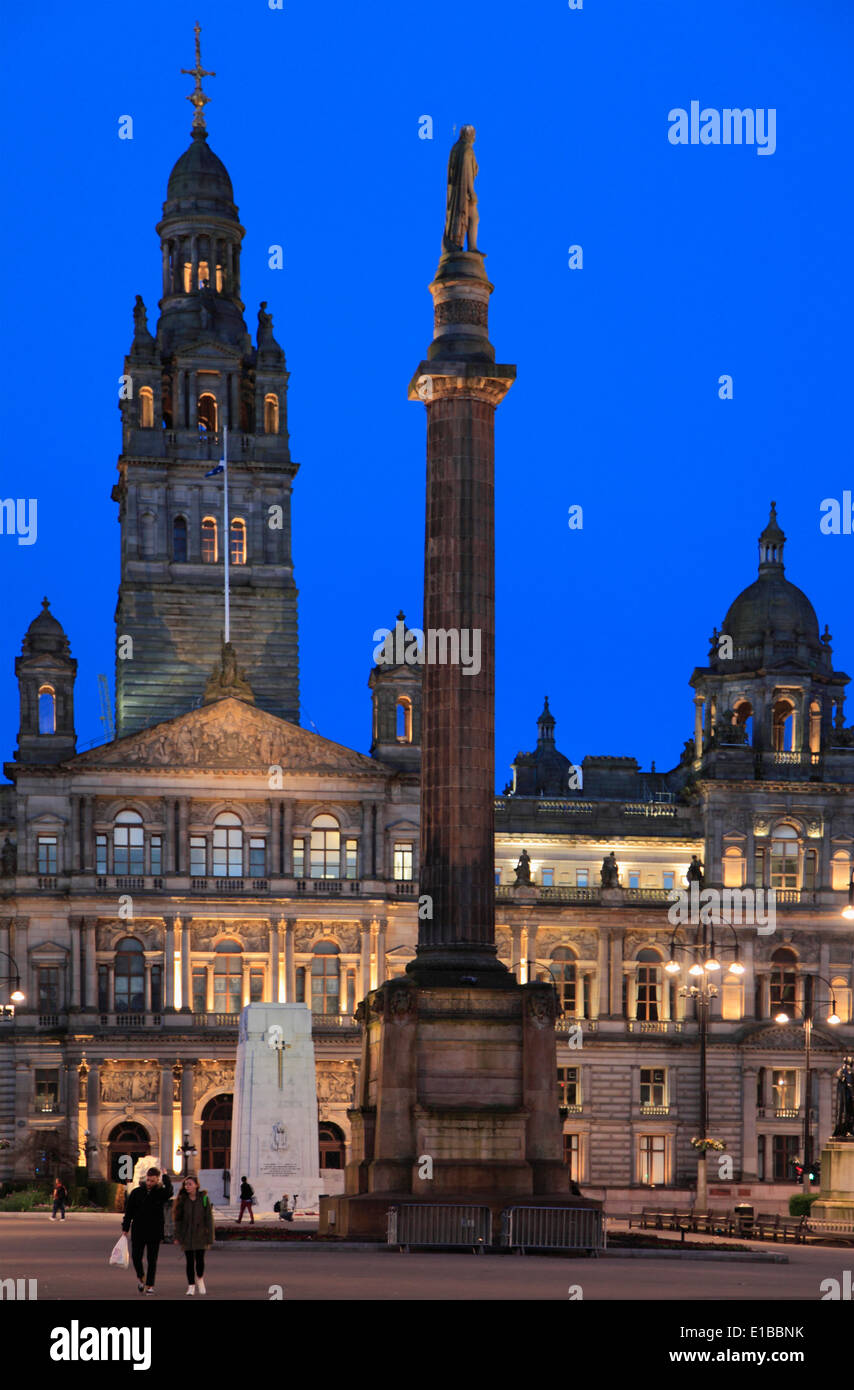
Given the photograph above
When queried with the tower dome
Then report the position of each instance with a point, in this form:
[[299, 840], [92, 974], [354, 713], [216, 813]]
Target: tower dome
[[200, 181], [45, 634]]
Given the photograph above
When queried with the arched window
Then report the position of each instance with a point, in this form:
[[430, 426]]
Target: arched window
[[332, 1146], [147, 535], [403, 719], [784, 857], [216, 1132], [271, 413], [238, 541], [783, 726], [209, 547], [649, 985], [228, 846], [130, 976], [128, 844], [207, 412], [840, 867], [783, 978], [325, 978], [47, 710], [815, 727], [179, 540], [325, 847], [146, 408], [734, 867], [565, 976], [743, 711], [842, 997], [228, 978]]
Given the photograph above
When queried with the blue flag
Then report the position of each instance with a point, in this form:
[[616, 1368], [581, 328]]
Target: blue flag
[[220, 468]]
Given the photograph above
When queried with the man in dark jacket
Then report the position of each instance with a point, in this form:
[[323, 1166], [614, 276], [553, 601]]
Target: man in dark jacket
[[144, 1219], [246, 1195]]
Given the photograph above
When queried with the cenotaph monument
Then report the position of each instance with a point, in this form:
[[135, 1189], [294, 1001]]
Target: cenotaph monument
[[459, 1062], [835, 1201], [274, 1124]]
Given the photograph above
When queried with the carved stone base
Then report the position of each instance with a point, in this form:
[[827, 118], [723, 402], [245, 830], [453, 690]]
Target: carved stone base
[[836, 1198]]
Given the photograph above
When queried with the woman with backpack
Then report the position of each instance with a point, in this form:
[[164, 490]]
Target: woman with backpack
[[194, 1230]]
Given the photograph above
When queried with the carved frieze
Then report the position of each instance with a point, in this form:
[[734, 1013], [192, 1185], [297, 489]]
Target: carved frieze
[[212, 1076], [336, 1082], [123, 1085]]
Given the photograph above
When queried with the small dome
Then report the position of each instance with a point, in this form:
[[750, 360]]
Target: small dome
[[45, 634], [770, 604], [200, 176]]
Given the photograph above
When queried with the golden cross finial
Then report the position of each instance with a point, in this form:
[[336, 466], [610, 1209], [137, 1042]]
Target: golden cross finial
[[198, 97]]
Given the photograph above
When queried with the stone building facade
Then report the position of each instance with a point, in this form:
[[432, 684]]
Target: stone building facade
[[215, 853]]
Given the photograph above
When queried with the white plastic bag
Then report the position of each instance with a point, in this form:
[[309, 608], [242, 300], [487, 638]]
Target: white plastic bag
[[119, 1255]]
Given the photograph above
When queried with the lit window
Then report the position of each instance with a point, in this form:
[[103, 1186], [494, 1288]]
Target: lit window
[[565, 977], [207, 412], [567, 1086], [130, 976], [649, 985], [228, 978], [47, 710], [582, 878], [784, 857], [298, 854], [403, 718], [100, 854], [238, 542], [227, 846], [325, 978], [653, 1086], [351, 858], [271, 414], [47, 854], [198, 848], [325, 847], [257, 858], [179, 540], [156, 854], [128, 846], [783, 978], [652, 1156], [734, 867], [402, 859], [634, 880], [840, 867], [667, 879], [572, 1155], [146, 408], [204, 274], [547, 878], [209, 550]]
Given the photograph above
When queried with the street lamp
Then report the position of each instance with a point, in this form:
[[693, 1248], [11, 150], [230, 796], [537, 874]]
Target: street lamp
[[186, 1150], [17, 996], [832, 1018], [849, 910]]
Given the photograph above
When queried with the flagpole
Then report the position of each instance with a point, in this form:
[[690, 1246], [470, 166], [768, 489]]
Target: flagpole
[[226, 537]]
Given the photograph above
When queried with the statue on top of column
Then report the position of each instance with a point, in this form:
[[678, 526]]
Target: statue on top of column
[[461, 217]]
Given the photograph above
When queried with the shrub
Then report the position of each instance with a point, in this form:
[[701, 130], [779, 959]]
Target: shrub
[[800, 1203], [24, 1200]]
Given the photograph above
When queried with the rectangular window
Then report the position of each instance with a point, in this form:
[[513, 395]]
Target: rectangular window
[[785, 1089], [653, 1086], [652, 1153], [103, 988], [101, 854], [198, 846], [256, 985], [648, 986], [128, 849], [351, 858], [156, 855], [810, 859], [786, 1148], [759, 867], [48, 989], [784, 864], [547, 878], [760, 1157], [497, 877], [634, 880], [47, 1092], [200, 991], [257, 858], [667, 879], [227, 851], [572, 1155], [567, 1086], [47, 854], [582, 878], [299, 858], [156, 988], [402, 859]]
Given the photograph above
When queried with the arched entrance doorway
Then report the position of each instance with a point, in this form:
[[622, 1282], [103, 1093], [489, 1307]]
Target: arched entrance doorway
[[216, 1132], [332, 1147], [126, 1138]]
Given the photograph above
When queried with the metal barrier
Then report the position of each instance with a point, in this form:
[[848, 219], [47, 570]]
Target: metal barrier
[[417, 1223], [553, 1228]]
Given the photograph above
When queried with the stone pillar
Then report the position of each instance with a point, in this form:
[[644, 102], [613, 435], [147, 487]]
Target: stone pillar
[[187, 1076], [194, 259], [169, 968], [290, 967], [750, 1155], [164, 256], [209, 987], [167, 1137], [183, 848], [364, 959], [87, 854], [147, 999], [75, 928], [274, 961], [93, 1108], [824, 1127], [111, 987], [5, 966], [74, 834], [381, 944], [91, 1000], [600, 987], [461, 387], [516, 949], [186, 968], [287, 839], [616, 990], [531, 951], [698, 726], [21, 953], [368, 845]]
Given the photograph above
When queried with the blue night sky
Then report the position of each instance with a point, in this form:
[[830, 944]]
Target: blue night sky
[[698, 261]]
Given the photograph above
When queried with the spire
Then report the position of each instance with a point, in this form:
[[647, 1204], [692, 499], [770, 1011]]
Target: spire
[[546, 725], [198, 97], [771, 544]]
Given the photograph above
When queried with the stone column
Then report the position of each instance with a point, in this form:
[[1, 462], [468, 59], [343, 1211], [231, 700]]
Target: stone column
[[87, 853], [290, 967], [531, 951], [5, 948], [91, 1001], [209, 987], [111, 987], [381, 957], [183, 849], [274, 960], [186, 968], [698, 726], [21, 953], [194, 259], [164, 257], [461, 386], [75, 927], [824, 1127], [169, 968], [147, 999], [287, 839], [600, 988], [750, 1155], [93, 1108], [616, 991], [367, 846], [516, 949], [187, 1076], [74, 834], [364, 959], [167, 1137]]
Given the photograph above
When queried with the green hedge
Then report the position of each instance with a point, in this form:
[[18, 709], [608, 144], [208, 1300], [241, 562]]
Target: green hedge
[[109, 1195], [800, 1203], [25, 1200]]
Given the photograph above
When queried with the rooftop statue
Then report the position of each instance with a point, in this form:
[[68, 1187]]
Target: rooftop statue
[[461, 217]]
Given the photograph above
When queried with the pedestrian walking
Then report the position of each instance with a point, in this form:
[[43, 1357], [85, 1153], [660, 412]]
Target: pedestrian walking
[[60, 1197], [247, 1194], [194, 1230], [144, 1219]]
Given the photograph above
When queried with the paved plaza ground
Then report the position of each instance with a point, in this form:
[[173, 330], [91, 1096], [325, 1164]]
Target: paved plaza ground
[[70, 1262]]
